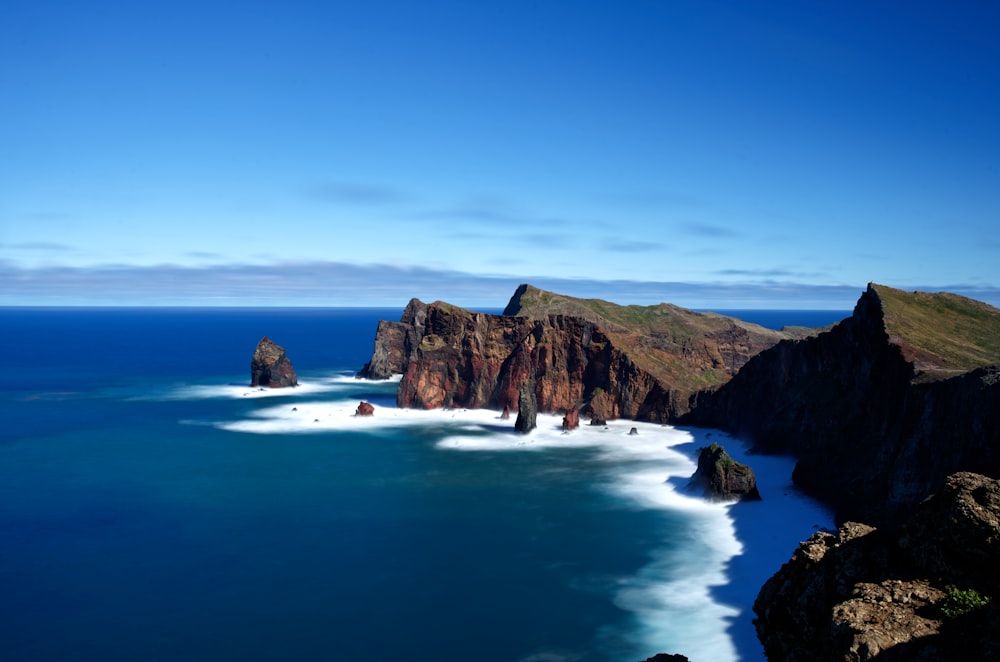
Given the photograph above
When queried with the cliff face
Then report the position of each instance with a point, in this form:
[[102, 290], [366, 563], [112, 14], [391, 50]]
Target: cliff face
[[863, 593], [617, 362], [881, 408]]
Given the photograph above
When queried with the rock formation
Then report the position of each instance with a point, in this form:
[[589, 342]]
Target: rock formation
[[527, 408], [914, 594], [722, 478], [270, 367], [364, 409], [620, 361], [571, 420], [881, 408]]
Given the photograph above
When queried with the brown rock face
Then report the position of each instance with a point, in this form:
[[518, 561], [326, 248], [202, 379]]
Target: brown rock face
[[364, 409], [452, 357], [864, 594], [571, 420], [270, 367]]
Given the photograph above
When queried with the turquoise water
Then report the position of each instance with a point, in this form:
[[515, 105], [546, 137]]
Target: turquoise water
[[154, 507]]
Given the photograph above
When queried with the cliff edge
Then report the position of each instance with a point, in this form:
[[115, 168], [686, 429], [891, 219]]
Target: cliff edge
[[880, 409]]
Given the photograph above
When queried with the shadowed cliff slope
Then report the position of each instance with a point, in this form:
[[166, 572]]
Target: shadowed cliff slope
[[640, 362], [881, 408]]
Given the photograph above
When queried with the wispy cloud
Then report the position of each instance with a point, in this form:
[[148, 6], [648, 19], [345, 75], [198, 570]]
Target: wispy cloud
[[652, 198], [342, 284], [357, 193], [42, 246], [771, 273], [495, 209], [706, 229], [619, 245]]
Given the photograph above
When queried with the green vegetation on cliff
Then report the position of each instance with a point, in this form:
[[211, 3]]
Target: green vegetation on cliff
[[943, 334], [688, 349]]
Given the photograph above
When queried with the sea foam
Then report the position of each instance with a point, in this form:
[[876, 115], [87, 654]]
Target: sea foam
[[693, 598]]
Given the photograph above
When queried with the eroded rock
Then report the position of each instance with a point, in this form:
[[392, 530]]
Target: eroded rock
[[271, 367]]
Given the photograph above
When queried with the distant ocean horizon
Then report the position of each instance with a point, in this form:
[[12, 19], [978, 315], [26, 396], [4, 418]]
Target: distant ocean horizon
[[153, 506]]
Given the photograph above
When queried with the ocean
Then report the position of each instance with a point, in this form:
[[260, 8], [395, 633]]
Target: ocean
[[154, 507]]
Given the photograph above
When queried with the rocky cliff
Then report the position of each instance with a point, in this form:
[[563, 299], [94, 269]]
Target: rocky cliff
[[879, 409], [271, 367], [613, 361], [925, 592]]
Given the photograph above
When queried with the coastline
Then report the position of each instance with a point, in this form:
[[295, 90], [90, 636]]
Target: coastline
[[734, 547]]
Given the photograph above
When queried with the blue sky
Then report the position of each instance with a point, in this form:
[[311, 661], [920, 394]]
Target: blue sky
[[710, 154]]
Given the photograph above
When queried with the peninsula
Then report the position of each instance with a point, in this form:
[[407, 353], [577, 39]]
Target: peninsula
[[881, 410]]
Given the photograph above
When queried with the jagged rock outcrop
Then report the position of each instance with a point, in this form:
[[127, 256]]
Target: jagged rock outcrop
[[271, 367], [527, 408], [863, 593], [881, 408], [364, 409], [619, 361], [722, 478], [571, 420]]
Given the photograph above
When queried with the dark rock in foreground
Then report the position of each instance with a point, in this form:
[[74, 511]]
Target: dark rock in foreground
[[863, 593], [270, 367], [364, 409], [723, 478], [666, 657]]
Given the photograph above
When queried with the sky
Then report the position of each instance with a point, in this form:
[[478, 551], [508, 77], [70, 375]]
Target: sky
[[705, 153]]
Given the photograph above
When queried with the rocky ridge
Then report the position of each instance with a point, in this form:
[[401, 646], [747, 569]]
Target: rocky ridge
[[611, 361], [880, 409]]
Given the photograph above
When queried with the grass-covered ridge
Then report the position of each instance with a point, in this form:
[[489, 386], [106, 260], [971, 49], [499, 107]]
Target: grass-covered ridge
[[689, 349], [942, 333]]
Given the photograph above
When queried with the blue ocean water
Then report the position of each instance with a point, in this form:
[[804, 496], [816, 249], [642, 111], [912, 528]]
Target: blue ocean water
[[153, 506]]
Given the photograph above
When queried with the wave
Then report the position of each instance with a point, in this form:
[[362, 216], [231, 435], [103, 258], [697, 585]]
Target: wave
[[341, 382], [694, 598]]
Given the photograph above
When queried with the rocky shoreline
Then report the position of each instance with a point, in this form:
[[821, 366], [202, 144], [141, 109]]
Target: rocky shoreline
[[884, 409]]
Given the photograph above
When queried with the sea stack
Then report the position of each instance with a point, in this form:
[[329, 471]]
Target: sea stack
[[527, 408], [723, 478], [270, 367]]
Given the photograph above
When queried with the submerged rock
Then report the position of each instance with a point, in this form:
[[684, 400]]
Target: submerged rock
[[271, 367]]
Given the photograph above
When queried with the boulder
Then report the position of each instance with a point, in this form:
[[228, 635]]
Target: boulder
[[271, 367], [505, 414], [365, 409], [863, 593], [723, 478]]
